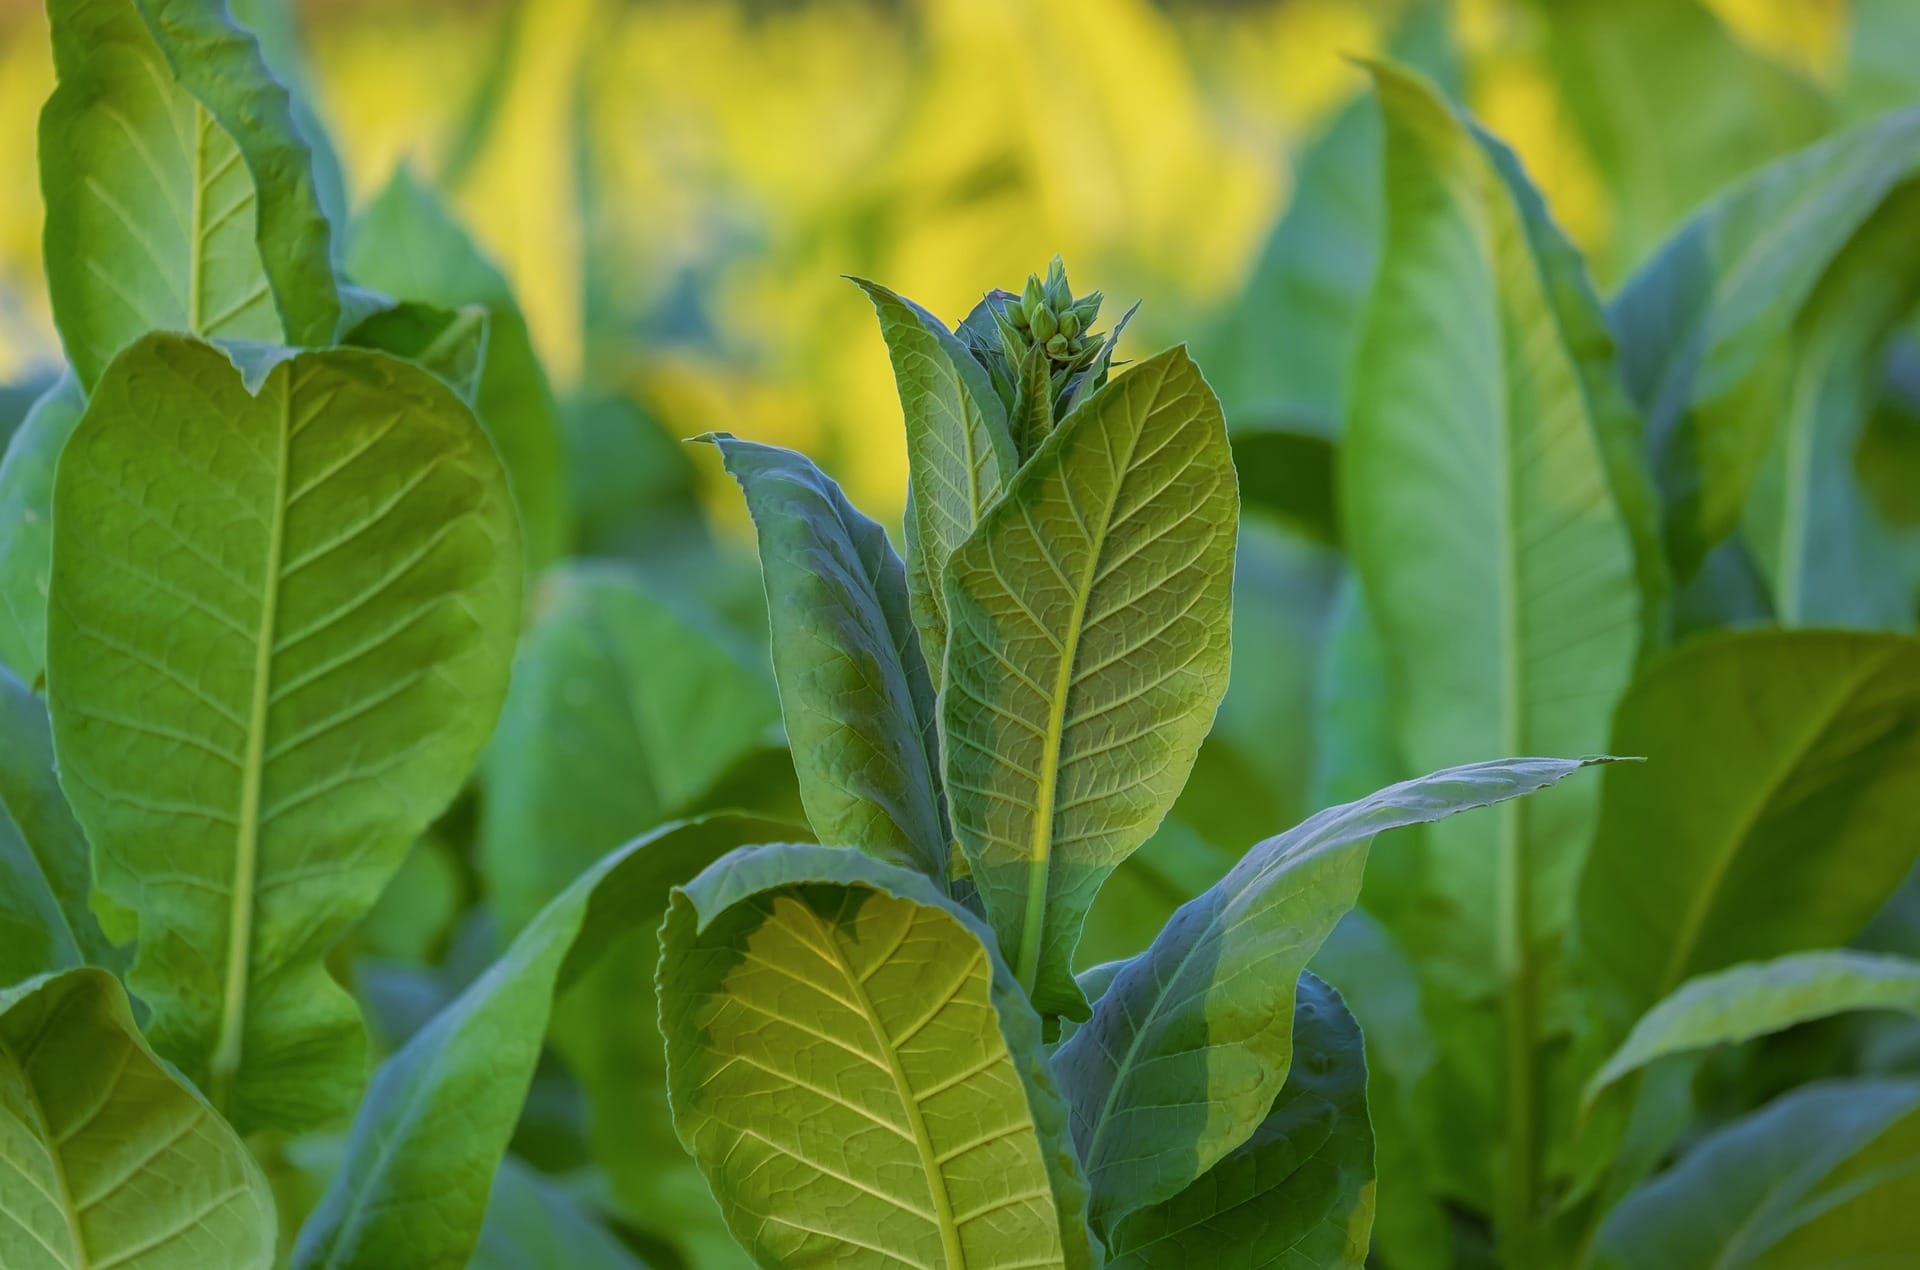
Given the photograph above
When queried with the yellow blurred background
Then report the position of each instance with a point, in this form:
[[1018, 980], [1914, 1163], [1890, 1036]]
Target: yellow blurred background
[[675, 186]]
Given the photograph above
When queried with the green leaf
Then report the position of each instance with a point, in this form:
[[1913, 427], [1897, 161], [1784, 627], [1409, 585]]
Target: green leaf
[[854, 689], [532, 1221], [26, 525], [180, 191], [1758, 746], [1702, 324], [1088, 653], [113, 1159], [1289, 476], [959, 451], [856, 1072], [435, 1125], [45, 923], [1755, 999], [1187, 1050], [1032, 418], [1824, 1177], [452, 343], [1299, 1192], [407, 243], [625, 708], [1497, 563], [273, 658]]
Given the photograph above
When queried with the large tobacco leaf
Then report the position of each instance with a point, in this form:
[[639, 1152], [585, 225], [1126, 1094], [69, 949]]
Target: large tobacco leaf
[[1299, 1191], [26, 524], [858, 1074], [1824, 1177], [1087, 653], [110, 1158], [273, 658], [854, 686], [180, 190], [1706, 326], [427, 1141], [1189, 1046], [958, 448]]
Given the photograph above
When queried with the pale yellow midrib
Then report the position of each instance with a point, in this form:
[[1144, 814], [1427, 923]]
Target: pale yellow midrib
[[45, 1128], [196, 234], [227, 1048]]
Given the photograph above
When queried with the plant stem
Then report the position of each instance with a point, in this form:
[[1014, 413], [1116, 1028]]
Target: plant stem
[[1523, 1133]]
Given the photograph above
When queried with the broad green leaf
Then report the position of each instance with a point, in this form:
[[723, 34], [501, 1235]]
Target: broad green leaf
[[1827, 1176], [1703, 324], [533, 1221], [1299, 1192], [1774, 813], [452, 343], [180, 191], [26, 525], [856, 1072], [435, 1124], [1087, 655], [110, 1158], [1497, 563], [626, 706], [408, 244], [854, 688], [1188, 1048], [45, 923], [958, 450], [1755, 999], [273, 657]]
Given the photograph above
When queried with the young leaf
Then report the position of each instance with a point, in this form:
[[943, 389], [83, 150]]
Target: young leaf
[[112, 1159], [434, 1127], [1701, 325], [1757, 745], [1299, 1191], [1032, 419], [180, 191], [26, 525], [408, 244], [1497, 564], [854, 689], [1761, 997], [1087, 655], [452, 343], [856, 1072], [1823, 1177], [273, 657], [1187, 1049], [958, 450]]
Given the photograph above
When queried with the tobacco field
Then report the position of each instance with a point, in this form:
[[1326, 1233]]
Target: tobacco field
[[934, 635]]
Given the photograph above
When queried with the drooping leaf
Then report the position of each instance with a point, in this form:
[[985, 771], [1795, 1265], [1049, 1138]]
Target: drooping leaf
[[1827, 1176], [452, 343], [110, 1158], [532, 1221], [854, 689], [26, 525], [1188, 1048], [1754, 999], [408, 244], [45, 924], [959, 451], [1497, 563], [273, 657], [1087, 655], [180, 191], [857, 1073], [1703, 325], [413, 1187], [1758, 745], [1299, 1192]]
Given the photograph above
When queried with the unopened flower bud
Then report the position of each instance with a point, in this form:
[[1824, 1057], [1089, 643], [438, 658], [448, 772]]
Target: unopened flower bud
[[1070, 323], [1033, 301], [1057, 346], [1045, 326]]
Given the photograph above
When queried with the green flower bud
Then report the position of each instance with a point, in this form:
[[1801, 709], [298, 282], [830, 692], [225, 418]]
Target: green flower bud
[[1033, 301], [1057, 346], [1058, 294], [1070, 323], [1045, 325], [1088, 307], [1018, 315]]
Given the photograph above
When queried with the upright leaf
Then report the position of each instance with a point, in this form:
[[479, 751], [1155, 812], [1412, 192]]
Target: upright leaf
[[26, 524], [1702, 325], [273, 658], [433, 1130], [1087, 655], [180, 191], [1299, 1191], [959, 451], [110, 1158], [856, 1072], [1188, 1048], [1824, 1177], [854, 689]]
